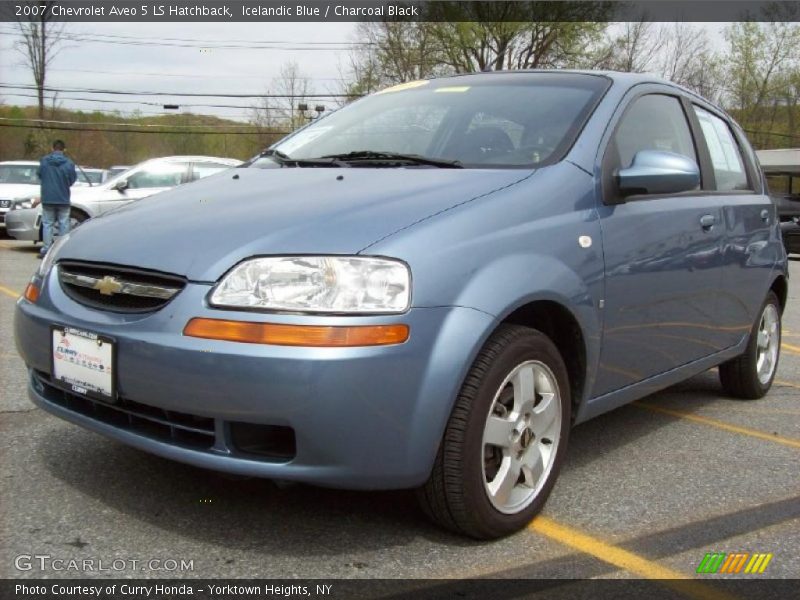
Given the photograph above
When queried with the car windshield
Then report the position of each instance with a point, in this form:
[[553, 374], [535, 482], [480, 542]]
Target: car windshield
[[476, 121], [19, 174]]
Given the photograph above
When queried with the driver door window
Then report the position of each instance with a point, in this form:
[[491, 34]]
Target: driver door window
[[158, 176], [654, 122]]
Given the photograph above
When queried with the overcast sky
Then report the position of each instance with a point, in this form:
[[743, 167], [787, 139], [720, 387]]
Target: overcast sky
[[150, 66], [139, 60]]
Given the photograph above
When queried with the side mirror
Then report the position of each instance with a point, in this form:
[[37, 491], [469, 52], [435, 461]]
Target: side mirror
[[121, 185], [658, 172]]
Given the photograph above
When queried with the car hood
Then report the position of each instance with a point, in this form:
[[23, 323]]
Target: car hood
[[94, 193], [202, 229], [18, 190]]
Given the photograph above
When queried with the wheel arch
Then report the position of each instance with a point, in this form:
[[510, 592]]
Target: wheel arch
[[781, 288], [558, 323]]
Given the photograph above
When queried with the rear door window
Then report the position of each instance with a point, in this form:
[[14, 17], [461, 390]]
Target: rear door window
[[200, 170], [726, 158]]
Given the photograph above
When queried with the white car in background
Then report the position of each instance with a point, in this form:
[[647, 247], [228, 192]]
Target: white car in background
[[19, 185], [145, 179]]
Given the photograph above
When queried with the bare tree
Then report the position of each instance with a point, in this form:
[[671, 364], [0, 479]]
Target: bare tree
[[283, 113], [688, 59], [41, 39], [632, 47]]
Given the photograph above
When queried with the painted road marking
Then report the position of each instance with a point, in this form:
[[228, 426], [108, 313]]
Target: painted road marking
[[623, 559], [787, 383], [791, 442], [791, 348], [9, 292]]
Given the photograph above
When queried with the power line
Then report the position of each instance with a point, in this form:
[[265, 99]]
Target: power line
[[146, 103], [183, 94], [150, 125], [79, 129], [204, 42], [775, 133], [207, 76], [308, 47]]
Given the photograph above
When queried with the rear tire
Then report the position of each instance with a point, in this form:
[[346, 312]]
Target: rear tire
[[505, 440], [750, 375]]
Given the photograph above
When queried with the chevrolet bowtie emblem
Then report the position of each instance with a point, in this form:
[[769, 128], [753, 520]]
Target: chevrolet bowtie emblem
[[108, 286]]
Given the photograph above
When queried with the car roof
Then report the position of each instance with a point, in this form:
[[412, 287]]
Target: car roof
[[617, 76], [784, 160]]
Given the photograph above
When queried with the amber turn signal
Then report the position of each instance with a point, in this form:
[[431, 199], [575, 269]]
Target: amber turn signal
[[296, 335], [31, 293]]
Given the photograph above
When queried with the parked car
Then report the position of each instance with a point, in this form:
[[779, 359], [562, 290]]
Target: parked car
[[145, 179], [422, 290], [782, 170], [88, 176], [19, 185]]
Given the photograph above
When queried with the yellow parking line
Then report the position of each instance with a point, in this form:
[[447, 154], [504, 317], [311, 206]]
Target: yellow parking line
[[791, 442], [787, 383], [9, 292], [623, 559], [791, 348]]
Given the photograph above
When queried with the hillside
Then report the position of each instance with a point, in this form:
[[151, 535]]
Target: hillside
[[104, 139]]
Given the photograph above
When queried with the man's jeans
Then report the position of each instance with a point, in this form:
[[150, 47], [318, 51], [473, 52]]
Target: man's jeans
[[54, 216]]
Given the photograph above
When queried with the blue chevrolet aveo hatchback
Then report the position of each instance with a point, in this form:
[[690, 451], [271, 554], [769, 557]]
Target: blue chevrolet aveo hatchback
[[425, 289]]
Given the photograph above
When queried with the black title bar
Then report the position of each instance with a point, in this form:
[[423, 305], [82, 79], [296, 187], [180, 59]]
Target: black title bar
[[152, 11]]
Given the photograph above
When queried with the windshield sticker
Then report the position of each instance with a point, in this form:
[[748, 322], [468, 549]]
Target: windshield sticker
[[452, 89], [404, 86]]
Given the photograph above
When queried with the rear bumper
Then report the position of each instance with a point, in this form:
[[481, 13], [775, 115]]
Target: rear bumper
[[363, 418], [790, 231]]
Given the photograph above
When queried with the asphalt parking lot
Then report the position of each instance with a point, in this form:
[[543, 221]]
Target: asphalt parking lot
[[646, 491]]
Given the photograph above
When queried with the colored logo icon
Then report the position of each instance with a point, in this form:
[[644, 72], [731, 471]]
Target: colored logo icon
[[734, 562]]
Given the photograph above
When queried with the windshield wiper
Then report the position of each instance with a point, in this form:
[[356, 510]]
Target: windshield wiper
[[274, 153], [373, 156], [285, 160]]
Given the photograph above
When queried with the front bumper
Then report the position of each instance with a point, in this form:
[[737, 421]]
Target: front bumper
[[363, 418], [23, 224]]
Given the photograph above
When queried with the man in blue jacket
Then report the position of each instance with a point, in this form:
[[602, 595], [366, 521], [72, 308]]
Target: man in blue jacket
[[57, 174]]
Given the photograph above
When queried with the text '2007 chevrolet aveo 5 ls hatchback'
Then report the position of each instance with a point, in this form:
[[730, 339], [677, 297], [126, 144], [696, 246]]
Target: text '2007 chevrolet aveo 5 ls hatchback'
[[425, 289]]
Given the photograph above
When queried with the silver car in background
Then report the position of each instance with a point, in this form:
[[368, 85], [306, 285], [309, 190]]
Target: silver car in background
[[19, 185], [145, 179]]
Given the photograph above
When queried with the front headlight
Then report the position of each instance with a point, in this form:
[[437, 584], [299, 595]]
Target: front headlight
[[50, 257], [328, 284]]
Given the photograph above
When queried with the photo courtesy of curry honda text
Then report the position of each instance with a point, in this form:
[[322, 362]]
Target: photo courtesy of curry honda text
[[425, 289]]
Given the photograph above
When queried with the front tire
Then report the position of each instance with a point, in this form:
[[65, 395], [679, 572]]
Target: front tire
[[76, 217], [750, 375], [505, 440]]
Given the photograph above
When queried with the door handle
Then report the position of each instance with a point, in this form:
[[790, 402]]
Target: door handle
[[707, 222], [765, 215]]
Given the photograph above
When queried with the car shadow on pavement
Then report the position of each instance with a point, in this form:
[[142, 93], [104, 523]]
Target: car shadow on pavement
[[23, 248], [209, 506]]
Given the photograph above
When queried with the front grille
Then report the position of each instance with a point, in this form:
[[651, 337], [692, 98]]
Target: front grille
[[176, 428], [118, 289], [271, 443], [5, 203]]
